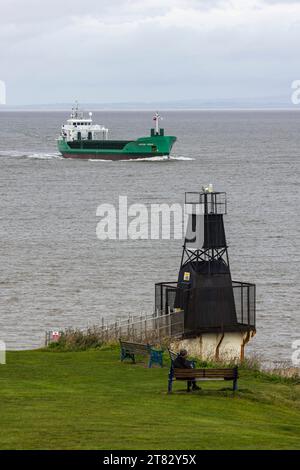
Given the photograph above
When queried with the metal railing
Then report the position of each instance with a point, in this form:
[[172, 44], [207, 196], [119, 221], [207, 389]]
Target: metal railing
[[169, 297], [245, 302], [140, 328], [168, 319]]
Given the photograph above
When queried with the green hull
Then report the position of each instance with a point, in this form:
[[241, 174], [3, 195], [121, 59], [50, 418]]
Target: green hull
[[144, 147]]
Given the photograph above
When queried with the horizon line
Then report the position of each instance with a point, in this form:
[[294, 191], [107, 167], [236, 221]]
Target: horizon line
[[31, 108]]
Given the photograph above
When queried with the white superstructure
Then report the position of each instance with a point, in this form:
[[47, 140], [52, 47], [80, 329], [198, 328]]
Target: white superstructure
[[80, 128]]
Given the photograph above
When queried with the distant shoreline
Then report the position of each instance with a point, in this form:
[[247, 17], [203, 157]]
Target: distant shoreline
[[150, 109]]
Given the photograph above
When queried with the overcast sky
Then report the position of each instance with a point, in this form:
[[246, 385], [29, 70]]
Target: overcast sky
[[54, 51]]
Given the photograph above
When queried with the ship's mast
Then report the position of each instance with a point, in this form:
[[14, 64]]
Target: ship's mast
[[157, 118], [75, 111]]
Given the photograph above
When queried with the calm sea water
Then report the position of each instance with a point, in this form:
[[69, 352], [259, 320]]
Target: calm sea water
[[55, 273]]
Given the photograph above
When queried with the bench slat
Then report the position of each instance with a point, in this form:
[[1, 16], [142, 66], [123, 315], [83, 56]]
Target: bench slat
[[203, 379], [202, 376], [135, 347], [205, 373]]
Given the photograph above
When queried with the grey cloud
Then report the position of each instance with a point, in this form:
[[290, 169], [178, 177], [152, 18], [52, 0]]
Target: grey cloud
[[55, 51]]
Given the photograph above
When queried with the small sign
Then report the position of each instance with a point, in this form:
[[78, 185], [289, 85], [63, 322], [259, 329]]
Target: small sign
[[55, 335], [186, 276]]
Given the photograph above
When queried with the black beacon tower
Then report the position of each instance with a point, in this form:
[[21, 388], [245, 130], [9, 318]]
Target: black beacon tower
[[211, 301]]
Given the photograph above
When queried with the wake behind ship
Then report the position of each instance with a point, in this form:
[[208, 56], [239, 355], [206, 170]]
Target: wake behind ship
[[80, 138]]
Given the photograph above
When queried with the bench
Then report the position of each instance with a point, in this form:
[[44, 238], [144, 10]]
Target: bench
[[130, 350], [201, 374]]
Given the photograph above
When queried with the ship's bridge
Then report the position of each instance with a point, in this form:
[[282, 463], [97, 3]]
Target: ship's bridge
[[80, 128]]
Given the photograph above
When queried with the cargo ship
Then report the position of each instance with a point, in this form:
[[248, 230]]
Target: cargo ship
[[80, 138]]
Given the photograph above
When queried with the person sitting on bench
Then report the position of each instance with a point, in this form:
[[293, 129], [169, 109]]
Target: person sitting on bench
[[181, 362]]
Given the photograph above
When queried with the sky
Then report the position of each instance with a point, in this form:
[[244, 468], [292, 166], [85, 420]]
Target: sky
[[102, 51]]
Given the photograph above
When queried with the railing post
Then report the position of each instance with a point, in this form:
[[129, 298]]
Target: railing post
[[242, 303], [254, 304], [248, 303], [158, 323]]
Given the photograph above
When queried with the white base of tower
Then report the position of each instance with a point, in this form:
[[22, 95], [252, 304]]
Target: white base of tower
[[215, 346]]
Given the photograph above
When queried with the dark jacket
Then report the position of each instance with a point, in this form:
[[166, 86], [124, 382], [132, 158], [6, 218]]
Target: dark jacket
[[182, 363]]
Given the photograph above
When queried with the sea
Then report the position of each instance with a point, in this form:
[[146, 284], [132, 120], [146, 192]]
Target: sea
[[56, 273]]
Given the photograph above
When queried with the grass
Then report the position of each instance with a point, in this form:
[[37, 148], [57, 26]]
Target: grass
[[89, 400]]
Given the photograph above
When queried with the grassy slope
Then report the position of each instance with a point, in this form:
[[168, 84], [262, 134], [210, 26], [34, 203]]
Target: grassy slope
[[88, 400]]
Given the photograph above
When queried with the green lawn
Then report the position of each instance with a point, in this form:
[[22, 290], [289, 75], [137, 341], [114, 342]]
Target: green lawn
[[89, 400]]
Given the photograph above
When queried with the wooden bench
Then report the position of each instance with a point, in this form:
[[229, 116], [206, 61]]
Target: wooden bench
[[130, 350], [201, 374]]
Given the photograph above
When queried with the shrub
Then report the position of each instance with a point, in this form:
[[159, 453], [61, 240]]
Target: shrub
[[77, 340]]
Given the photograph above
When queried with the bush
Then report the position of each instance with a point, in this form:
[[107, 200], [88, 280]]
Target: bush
[[77, 340]]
